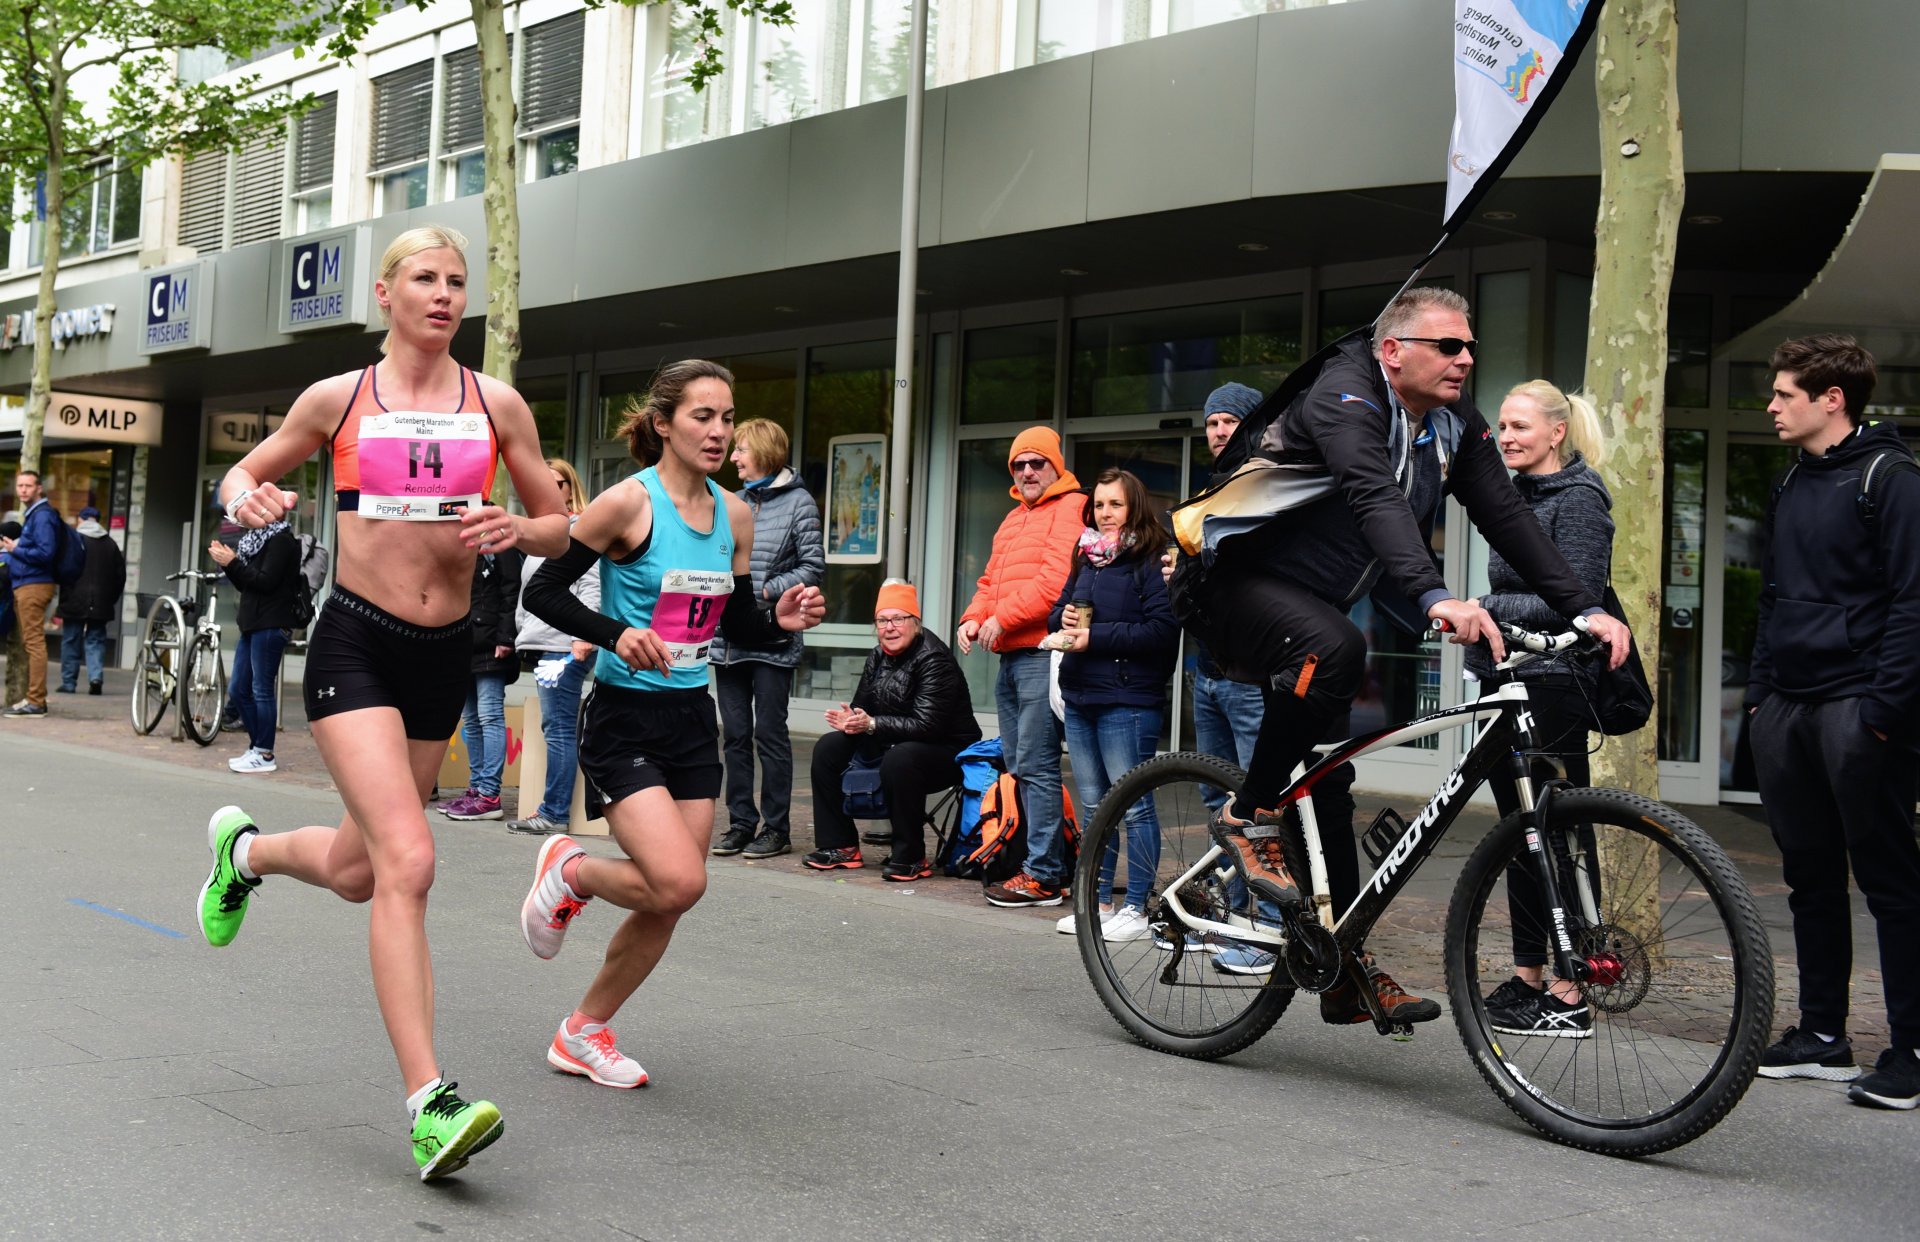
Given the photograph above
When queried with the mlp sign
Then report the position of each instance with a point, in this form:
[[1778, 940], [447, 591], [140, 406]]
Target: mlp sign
[[72, 416], [178, 314], [324, 280]]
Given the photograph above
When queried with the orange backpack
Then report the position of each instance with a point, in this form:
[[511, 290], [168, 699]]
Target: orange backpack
[[1002, 851]]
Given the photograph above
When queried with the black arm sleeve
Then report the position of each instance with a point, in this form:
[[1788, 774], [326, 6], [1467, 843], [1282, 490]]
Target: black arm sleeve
[[748, 620], [548, 598]]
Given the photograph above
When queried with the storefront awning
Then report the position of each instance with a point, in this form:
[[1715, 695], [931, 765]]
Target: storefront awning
[[1870, 287]]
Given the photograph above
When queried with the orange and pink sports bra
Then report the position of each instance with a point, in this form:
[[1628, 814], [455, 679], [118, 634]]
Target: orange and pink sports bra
[[413, 465]]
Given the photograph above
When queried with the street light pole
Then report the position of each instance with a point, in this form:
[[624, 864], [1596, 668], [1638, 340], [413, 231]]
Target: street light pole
[[896, 534]]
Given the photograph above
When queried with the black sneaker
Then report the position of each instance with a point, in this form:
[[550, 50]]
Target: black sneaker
[[1542, 1013], [769, 844], [1509, 994], [1894, 1083], [1802, 1054], [732, 841], [906, 872], [832, 860]]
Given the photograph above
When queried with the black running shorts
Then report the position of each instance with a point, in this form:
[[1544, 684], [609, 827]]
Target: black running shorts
[[632, 740], [360, 655]]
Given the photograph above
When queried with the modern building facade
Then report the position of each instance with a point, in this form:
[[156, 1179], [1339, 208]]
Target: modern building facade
[[1124, 204]]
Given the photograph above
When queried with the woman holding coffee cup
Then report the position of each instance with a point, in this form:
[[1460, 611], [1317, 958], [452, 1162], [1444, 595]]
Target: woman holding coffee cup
[[1114, 676]]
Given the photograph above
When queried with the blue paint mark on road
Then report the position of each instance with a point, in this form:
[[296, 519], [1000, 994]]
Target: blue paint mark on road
[[122, 915]]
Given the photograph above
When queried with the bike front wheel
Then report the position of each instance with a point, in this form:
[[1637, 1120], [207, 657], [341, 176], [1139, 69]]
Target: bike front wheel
[[157, 663], [1677, 1003], [203, 690], [1171, 989]]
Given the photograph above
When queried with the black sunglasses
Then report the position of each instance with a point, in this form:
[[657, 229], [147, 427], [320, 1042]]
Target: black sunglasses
[[1035, 464], [1448, 345]]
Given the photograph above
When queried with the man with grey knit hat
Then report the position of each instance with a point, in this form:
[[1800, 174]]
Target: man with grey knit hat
[[1226, 714]]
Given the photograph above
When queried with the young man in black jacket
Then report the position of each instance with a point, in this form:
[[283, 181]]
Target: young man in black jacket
[[1392, 429], [1835, 696]]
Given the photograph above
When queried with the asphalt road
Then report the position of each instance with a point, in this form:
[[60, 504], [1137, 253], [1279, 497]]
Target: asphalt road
[[829, 1059]]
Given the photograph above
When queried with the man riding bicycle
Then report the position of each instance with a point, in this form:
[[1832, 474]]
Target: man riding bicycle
[[1390, 426]]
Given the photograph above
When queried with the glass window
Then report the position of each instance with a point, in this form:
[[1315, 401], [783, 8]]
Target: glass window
[[1188, 14], [546, 396], [983, 504], [1070, 27], [1343, 310], [557, 153], [849, 391], [886, 62], [1689, 345], [469, 174], [1571, 297], [1752, 468], [1749, 386], [1500, 322], [1008, 375], [404, 190], [794, 66], [126, 204], [682, 114], [550, 73], [1682, 647], [1167, 361]]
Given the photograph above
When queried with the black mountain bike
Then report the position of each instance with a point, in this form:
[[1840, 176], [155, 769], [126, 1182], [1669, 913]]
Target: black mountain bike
[[1636, 905]]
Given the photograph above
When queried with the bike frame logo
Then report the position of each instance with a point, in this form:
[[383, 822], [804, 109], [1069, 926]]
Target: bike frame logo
[[318, 289], [1404, 847]]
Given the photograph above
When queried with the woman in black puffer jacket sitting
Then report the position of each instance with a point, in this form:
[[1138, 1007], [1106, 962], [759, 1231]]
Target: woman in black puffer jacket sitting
[[912, 713]]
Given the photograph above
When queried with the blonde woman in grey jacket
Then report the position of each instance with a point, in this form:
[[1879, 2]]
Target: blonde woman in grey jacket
[[753, 684], [560, 674]]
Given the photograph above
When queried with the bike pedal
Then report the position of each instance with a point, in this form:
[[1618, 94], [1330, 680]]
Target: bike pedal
[[1400, 1032]]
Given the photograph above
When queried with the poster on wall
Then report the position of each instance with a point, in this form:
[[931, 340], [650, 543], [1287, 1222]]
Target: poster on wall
[[856, 495]]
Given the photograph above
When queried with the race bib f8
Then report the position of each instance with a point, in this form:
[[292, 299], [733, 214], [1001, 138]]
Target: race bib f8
[[691, 601]]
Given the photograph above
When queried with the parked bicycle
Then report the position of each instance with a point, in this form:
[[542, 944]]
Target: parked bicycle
[[1637, 906], [179, 661]]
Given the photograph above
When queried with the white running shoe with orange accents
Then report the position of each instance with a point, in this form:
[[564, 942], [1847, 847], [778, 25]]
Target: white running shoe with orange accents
[[591, 1054], [551, 906]]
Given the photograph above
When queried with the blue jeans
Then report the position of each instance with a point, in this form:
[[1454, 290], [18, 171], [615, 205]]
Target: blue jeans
[[1226, 720], [560, 721], [256, 669], [1106, 743], [1030, 738], [483, 727], [74, 635]]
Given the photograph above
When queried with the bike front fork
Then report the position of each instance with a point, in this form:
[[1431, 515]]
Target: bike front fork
[[1542, 852]]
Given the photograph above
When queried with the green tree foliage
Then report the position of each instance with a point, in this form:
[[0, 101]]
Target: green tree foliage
[[88, 89]]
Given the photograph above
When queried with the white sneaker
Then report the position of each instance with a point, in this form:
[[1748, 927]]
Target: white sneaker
[[591, 1054], [1065, 926], [550, 906], [1127, 923], [255, 760]]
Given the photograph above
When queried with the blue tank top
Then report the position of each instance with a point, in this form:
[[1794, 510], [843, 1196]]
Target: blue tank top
[[678, 586]]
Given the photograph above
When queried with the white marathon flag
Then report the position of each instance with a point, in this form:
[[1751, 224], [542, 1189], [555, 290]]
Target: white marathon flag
[[1509, 60]]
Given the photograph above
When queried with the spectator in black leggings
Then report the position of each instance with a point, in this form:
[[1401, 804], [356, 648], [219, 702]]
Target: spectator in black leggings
[[1551, 441], [912, 712]]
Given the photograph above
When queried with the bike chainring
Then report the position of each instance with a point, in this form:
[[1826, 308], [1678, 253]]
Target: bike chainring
[[1312, 954]]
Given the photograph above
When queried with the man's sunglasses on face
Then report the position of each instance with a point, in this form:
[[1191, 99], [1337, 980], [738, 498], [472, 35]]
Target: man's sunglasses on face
[[1448, 345], [1028, 464]]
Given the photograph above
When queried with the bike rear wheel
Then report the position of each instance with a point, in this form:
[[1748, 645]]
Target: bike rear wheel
[[203, 690], [1679, 1001], [1176, 999], [156, 663]]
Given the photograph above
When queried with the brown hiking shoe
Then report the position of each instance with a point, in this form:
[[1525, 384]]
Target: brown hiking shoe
[[1342, 1006], [1255, 847]]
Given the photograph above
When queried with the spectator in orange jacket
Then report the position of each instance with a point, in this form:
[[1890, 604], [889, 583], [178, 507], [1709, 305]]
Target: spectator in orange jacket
[[1032, 552]]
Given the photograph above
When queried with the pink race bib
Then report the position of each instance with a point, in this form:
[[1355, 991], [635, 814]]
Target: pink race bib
[[423, 467], [691, 601]]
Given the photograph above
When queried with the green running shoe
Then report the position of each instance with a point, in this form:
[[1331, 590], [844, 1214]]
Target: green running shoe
[[223, 898], [449, 1130]]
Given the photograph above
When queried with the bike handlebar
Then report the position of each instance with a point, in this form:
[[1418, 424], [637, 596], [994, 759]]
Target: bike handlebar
[[201, 575]]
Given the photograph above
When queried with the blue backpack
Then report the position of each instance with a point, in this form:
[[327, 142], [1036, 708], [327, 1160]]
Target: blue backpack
[[981, 766], [70, 553]]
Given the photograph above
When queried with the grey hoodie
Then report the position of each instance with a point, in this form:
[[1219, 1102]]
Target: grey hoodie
[[1574, 508]]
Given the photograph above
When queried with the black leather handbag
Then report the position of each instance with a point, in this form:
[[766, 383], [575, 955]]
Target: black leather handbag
[[1622, 697]]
